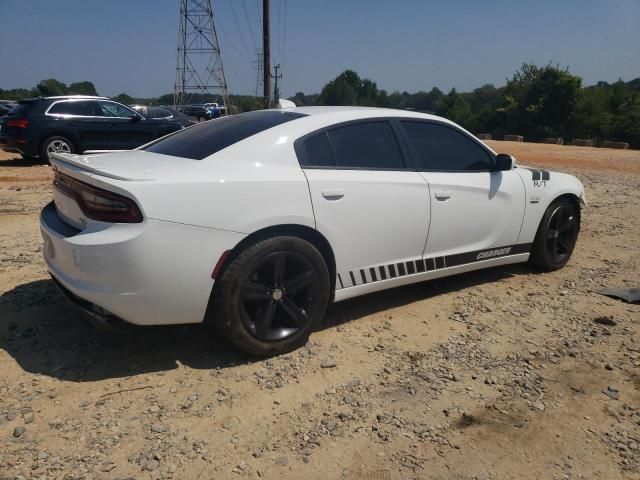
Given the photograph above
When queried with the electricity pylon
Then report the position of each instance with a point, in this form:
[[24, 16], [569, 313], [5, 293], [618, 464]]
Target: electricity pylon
[[199, 66]]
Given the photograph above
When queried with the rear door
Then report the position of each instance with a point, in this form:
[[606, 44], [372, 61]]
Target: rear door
[[476, 212], [373, 210]]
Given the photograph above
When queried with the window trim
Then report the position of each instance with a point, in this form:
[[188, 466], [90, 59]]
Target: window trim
[[298, 146], [414, 154], [72, 100]]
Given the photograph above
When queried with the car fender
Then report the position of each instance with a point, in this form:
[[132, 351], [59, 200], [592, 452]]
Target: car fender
[[543, 187]]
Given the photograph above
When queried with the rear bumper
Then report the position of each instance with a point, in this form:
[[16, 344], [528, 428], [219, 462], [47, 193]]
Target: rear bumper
[[17, 145], [90, 312], [149, 273]]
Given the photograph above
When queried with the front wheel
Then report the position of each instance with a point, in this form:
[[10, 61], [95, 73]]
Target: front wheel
[[556, 236], [272, 296]]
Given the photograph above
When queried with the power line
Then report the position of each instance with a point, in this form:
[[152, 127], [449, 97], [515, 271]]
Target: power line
[[278, 31], [258, 13], [231, 43], [246, 15], [235, 18], [284, 34]]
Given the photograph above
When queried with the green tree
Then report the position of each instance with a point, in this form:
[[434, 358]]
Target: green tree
[[248, 103], [349, 89], [541, 101], [82, 88], [51, 87], [456, 108], [124, 98], [302, 100]]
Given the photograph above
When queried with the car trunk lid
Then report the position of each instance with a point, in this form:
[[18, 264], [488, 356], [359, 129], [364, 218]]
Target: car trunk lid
[[130, 165]]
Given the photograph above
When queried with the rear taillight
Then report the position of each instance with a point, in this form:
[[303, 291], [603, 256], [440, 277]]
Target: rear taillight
[[96, 203], [17, 123]]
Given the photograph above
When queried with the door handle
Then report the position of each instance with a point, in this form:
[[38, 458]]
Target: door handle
[[443, 195], [333, 193]]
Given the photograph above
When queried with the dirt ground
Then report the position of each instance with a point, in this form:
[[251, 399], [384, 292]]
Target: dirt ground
[[500, 374]]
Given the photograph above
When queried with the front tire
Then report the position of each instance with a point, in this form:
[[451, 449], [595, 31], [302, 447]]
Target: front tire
[[556, 236], [272, 296], [56, 144]]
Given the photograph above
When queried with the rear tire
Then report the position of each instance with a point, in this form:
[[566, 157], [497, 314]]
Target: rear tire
[[56, 144], [272, 296], [556, 236]]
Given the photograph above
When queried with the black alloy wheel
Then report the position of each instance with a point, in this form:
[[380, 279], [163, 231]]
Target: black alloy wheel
[[271, 295], [557, 235], [562, 231], [278, 295]]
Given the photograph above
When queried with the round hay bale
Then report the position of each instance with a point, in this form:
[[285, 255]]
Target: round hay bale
[[618, 145], [581, 142], [513, 138]]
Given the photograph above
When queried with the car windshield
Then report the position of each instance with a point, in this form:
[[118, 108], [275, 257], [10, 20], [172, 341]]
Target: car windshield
[[207, 138]]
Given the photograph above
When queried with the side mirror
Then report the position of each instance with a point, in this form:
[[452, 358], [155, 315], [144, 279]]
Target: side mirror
[[504, 162], [136, 118]]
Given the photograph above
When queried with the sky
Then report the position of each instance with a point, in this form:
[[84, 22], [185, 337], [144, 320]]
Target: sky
[[407, 45]]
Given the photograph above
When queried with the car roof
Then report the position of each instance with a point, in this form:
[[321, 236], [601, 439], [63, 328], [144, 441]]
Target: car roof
[[74, 96], [364, 112]]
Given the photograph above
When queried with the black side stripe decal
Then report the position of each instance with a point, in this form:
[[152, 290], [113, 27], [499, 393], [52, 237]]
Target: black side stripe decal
[[374, 277], [383, 273], [436, 263], [538, 174], [479, 255], [392, 271]]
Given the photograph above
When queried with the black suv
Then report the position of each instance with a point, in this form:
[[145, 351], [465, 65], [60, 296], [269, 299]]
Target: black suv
[[39, 126]]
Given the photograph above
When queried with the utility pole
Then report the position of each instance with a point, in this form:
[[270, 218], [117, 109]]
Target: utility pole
[[266, 52], [276, 92]]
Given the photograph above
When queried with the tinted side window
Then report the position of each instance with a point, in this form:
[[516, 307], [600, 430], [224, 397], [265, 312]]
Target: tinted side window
[[157, 112], [112, 109], [439, 147], [207, 138], [366, 145], [82, 108], [317, 152]]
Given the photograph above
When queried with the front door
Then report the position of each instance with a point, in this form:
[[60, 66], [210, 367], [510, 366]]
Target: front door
[[128, 133], [476, 212], [372, 209]]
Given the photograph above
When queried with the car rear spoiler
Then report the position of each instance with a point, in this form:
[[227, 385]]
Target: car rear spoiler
[[80, 162]]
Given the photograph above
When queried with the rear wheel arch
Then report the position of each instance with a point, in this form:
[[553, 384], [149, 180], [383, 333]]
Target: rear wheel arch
[[72, 137], [309, 234]]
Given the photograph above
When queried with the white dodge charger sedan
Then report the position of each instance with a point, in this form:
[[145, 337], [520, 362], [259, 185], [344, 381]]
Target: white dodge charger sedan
[[255, 222]]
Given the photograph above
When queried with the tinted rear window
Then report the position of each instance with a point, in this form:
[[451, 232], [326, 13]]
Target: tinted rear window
[[207, 138], [22, 108], [370, 145], [366, 145]]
